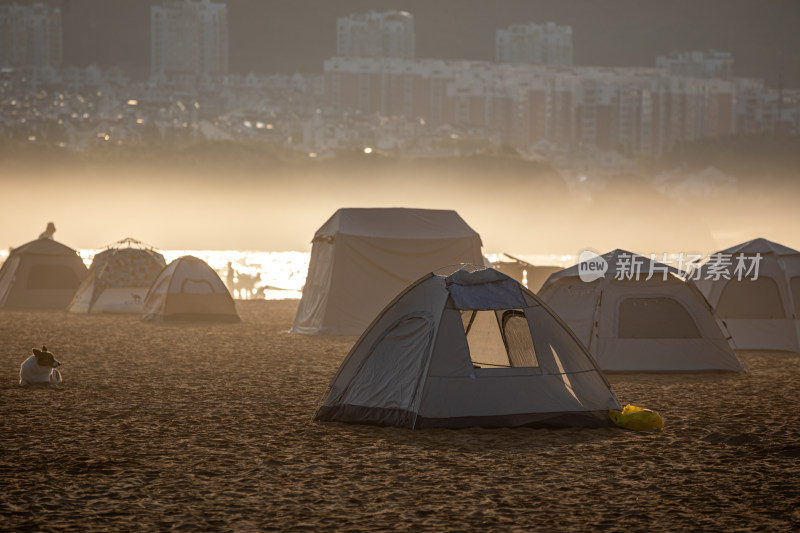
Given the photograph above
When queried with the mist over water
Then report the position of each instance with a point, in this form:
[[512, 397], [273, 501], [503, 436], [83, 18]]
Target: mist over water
[[519, 210]]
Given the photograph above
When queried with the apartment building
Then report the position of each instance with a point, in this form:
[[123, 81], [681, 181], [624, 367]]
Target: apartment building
[[30, 36], [377, 35], [188, 42], [534, 44]]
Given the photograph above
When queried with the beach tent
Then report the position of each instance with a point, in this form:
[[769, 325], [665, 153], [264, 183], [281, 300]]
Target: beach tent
[[468, 349], [118, 279], [40, 274], [361, 258], [631, 323], [189, 289], [763, 312]]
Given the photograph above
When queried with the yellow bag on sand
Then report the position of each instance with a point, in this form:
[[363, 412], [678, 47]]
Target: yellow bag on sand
[[636, 418]]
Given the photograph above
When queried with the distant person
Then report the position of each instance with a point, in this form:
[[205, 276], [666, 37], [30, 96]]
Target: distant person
[[48, 233], [231, 276]]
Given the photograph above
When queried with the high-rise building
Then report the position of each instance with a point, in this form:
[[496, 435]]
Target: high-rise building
[[378, 35], [188, 42], [534, 44], [30, 35]]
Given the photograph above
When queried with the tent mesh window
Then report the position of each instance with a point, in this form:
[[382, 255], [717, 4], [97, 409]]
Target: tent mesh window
[[751, 299], [655, 318], [197, 286], [52, 277], [499, 339]]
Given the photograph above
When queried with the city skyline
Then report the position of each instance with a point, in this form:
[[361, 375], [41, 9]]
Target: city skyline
[[532, 96], [279, 37]]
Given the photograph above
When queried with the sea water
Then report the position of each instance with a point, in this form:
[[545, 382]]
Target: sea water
[[281, 275]]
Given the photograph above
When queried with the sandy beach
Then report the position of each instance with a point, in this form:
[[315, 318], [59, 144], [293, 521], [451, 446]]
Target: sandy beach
[[198, 427]]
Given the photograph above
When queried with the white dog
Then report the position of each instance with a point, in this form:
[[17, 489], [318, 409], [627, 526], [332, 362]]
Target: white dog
[[39, 368]]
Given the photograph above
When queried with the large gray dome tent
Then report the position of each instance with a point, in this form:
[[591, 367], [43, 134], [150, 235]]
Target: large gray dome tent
[[635, 324], [468, 349], [761, 313], [362, 257], [40, 274]]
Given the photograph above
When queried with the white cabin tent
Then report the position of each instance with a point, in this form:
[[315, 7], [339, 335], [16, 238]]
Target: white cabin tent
[[633, 324], [40, 274], [468, 349], [118, 279], [188, 289], [361, 258], [763, 312]]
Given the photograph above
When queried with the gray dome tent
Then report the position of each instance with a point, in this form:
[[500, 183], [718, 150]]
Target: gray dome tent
[[661, 324], [119, 279], [762, 312], [40, 274], [468, 349], [188, 289]]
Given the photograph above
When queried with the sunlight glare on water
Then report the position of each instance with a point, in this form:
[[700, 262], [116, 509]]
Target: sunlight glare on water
[[255, 275], [281, 275]]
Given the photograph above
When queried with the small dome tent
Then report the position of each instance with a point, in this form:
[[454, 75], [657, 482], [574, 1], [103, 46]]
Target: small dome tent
[[40, 274], [189, 289], [118, 279], [762, 309], [361, 258], [631, 323], [468, 349]]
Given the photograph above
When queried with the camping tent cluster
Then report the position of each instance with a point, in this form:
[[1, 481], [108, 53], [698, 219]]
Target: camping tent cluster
[[446, 341], [126, 277], [474, 347]]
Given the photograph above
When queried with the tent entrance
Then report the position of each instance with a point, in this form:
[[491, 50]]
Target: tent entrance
[[52, 277], [655, 318], [751, 299], [499, 338]]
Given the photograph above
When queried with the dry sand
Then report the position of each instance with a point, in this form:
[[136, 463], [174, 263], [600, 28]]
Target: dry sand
[[209, 427]]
